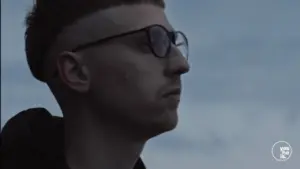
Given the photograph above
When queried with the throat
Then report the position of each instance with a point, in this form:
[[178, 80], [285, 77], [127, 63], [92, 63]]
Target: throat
[[94, 146]]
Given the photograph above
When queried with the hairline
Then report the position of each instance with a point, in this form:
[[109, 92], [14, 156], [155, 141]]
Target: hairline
[[68, 31]]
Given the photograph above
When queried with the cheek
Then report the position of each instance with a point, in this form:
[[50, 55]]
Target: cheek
[[143, 77], [137, 76]]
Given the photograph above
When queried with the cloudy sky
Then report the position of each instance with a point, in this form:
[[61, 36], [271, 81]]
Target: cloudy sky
[[241, 96]]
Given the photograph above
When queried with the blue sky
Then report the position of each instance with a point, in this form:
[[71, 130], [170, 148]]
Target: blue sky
[[241, 96]]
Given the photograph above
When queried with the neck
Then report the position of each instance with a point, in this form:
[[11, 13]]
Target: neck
[[90, 144]]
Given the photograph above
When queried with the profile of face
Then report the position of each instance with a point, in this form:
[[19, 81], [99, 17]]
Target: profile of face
[[134, 78]]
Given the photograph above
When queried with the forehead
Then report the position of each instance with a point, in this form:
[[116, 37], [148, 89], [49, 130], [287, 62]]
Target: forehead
[[109, 22]]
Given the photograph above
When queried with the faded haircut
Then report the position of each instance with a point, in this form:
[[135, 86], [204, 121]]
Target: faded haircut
[[49, 17]]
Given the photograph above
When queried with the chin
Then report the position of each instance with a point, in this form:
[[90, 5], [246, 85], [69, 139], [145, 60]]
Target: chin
[[170, 122], [164, 124]]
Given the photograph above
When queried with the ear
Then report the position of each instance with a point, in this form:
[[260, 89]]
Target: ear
[[73, 72]]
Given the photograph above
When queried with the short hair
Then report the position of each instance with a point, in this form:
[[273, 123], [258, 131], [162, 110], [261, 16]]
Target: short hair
[[49, 17]]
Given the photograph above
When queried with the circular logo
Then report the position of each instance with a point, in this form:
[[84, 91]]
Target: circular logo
[[281, 151]]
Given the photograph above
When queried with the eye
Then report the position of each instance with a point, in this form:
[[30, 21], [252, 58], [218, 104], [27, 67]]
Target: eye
[[158, 37], [160, 41], [143, 44]]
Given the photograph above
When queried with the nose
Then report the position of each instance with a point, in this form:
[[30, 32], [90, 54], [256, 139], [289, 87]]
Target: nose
[[177, 64]]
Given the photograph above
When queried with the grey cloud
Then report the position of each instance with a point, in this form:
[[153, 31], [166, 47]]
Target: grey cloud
[[241, 95], [248, 138]]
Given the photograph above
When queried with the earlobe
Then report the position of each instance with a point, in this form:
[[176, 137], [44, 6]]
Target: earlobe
[[73, 72]]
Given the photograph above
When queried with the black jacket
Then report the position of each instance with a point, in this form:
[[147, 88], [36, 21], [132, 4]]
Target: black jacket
[[33, 139]]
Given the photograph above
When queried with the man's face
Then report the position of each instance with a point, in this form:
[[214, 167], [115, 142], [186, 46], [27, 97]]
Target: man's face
[[127, 83]]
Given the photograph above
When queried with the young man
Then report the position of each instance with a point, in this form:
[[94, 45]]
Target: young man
[[114, 68]]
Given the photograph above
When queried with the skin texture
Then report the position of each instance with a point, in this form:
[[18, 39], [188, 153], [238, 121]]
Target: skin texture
[[111, 94]]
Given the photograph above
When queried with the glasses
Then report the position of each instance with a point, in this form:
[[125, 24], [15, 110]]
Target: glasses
[[160, 41]]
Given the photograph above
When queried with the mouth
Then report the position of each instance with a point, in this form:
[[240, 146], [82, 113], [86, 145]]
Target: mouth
[[173, 92]]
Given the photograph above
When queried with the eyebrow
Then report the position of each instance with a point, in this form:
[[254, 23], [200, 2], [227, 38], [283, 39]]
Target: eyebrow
[[134, 34], [137, 36], [121, 37]]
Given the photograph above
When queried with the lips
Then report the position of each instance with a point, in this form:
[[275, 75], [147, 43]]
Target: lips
[[173, 92]]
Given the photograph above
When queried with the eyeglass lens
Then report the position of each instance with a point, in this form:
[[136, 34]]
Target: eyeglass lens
[[161, 41], [182, 44]]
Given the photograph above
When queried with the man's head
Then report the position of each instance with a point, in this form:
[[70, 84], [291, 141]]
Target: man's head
[[119, 58]]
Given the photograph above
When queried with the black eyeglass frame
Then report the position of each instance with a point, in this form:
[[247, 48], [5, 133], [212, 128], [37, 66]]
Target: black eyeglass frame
[[170, 34]]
